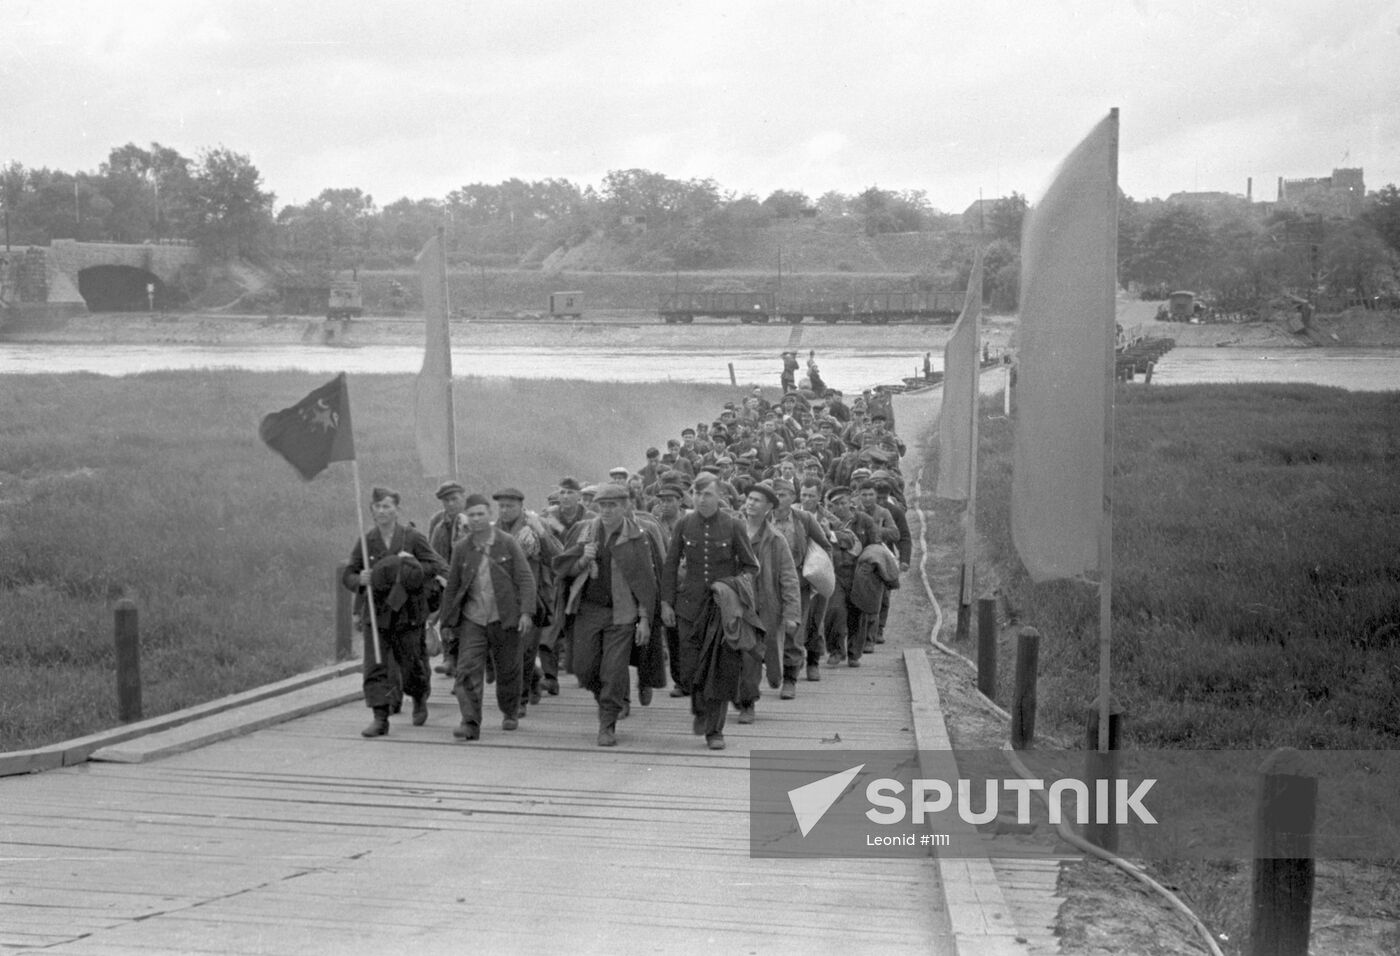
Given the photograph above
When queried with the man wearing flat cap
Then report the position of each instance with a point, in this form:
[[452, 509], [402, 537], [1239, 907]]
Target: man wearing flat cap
[[491, 595], [776, 598], [610, 569], [560, 518], [394, 575], [800, 531], [847, 627], [540, 547], [445, 529]]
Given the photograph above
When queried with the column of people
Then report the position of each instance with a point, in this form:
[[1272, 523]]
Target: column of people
[[702, 569]]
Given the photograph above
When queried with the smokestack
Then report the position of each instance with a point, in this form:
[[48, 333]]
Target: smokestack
[[1280, 189], [1249, 190]]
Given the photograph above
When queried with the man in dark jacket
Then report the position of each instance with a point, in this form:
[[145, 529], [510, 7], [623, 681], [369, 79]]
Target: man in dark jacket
[[715, 548], [491, 595], [540, 547], [400, 564], [853, 530], [445, 529], [611, 570]]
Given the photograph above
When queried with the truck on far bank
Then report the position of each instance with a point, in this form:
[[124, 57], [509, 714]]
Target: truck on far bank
[[344, 299]]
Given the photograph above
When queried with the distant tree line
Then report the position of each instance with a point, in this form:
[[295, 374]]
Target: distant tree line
[[217, 200]]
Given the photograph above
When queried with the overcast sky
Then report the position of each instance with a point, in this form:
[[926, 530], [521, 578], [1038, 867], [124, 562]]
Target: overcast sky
[[416, 99]]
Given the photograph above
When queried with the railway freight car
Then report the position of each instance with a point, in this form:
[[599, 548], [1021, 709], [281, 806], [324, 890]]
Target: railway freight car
[[748, 307], [881, 308]]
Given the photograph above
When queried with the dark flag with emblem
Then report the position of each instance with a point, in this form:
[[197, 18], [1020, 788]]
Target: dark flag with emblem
[[315, 431]]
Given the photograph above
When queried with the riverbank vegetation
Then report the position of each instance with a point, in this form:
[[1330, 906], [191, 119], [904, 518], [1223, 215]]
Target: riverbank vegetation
[[157, 487], [1256, 596], [1256, 604]]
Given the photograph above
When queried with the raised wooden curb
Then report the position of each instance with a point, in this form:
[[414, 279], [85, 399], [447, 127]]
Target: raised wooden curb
[[234, 723], [75, 751], [978, 912]]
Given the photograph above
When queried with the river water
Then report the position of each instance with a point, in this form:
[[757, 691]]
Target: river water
[[847, 369]]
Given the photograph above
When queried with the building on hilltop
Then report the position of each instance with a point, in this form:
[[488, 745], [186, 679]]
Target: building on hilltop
[[974, 217], [1340, 194]]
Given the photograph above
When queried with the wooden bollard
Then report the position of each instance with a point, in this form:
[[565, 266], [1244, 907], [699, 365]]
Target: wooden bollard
[[127, 633], [964, 630], [344, 605], [1147, 375], [1023, 701], [987, 646], [1283, 865], [1102, 765], [732, 379]]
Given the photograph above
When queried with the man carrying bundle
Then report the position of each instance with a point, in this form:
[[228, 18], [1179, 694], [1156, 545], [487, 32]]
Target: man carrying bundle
[[613, 564], [716, 551]]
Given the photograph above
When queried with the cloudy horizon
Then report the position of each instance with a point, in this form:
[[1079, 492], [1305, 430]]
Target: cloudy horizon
[[419, 99]]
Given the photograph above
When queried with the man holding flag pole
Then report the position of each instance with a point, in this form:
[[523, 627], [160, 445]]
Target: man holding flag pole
[[310, 435]]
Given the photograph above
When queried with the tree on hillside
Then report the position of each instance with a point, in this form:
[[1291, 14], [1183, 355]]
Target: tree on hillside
[[1005, 218], [1175, 249], [882, 210], [787, 204], [333, 231], [1383, 214], [149, 191], [1357, 260], [13, 181], [231, 214], [833, 204]]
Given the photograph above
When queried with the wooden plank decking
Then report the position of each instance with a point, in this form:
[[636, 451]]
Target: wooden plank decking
[[305, 838]]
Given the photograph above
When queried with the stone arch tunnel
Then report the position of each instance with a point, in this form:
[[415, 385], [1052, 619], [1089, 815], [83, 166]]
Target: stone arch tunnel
[[114, 288]]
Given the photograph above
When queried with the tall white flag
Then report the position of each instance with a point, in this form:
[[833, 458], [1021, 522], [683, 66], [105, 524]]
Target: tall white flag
[[1064, 367], [956, 456], [433, 425]]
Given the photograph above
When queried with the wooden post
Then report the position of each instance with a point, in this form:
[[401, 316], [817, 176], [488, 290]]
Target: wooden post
[[964, 610], [987, 646], [732, 379], [1102, 765], [344, 628], [1147, 376], [1283, 863], [128, 641], [1023, 701]]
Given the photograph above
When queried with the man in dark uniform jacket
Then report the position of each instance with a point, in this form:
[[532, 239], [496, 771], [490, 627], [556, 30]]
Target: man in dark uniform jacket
[[400, 564], [714, 546]]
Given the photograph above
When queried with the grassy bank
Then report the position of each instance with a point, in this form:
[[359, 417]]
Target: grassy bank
[[157, 487], [1256, 588]]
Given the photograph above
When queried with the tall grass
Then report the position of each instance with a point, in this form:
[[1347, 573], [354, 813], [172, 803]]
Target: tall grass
[[1256, 585], [157, 487]]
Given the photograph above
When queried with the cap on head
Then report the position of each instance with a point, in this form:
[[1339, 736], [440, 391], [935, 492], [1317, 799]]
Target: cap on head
[[449, 488], [611, 492], [474, 500], [511, 494], [570, 483], [766, 490]]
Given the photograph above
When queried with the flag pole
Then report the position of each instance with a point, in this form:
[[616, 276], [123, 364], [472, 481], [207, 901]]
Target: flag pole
[[447, 349], [1106, 524], [364, 554], [970, 515]]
